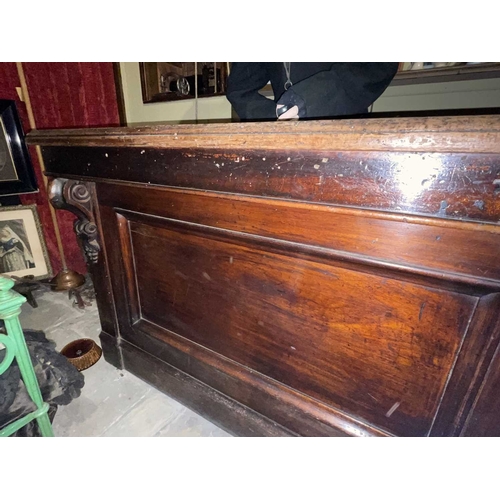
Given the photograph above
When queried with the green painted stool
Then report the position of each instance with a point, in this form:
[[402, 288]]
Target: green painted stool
[[10, 308]]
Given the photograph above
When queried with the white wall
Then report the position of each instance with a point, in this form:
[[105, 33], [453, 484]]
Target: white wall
[[428, 96], [136, 112], [432, 96]]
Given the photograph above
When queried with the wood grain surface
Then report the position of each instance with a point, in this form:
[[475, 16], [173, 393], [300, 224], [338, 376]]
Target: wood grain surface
[[317, 278]]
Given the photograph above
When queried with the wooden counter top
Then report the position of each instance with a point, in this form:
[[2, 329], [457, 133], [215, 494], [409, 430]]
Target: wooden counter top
[[459, 134]]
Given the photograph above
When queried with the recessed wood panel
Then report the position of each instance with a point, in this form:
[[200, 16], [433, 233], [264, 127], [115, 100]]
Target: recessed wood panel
[[372, 346], [425, 245]]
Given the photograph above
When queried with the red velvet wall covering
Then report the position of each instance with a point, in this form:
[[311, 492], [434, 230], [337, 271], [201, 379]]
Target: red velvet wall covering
[[63, 95]]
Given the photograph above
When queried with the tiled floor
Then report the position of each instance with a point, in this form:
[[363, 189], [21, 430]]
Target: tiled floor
[[113, 402]]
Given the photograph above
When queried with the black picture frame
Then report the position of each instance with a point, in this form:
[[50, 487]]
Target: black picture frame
[[17, 175]]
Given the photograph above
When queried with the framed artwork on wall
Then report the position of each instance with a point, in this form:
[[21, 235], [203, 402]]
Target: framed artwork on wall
[[16, 170], [171, 81], [22, 247]]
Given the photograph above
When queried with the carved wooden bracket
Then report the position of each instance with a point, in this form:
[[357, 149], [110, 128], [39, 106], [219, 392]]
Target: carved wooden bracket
[[75, 197]]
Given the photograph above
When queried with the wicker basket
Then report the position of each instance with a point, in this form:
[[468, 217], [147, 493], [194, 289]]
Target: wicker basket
[[82, 353]]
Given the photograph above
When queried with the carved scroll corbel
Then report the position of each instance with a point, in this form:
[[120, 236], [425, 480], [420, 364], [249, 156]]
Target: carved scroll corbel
[[74, 196]]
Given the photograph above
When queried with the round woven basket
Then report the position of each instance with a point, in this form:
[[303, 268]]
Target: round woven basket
[[82, 353]]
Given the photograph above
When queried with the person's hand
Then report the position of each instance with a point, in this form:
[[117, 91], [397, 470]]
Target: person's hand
[[290, 114], [290, 106]]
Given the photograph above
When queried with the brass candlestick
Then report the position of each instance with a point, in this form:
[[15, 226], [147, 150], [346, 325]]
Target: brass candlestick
[[66, 279], [70, 281]]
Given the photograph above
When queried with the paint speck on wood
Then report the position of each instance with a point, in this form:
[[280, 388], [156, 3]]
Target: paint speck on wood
[[393, 408]]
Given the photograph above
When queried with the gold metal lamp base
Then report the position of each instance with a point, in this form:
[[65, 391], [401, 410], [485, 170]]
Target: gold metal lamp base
[[67, 280], [70, 281]]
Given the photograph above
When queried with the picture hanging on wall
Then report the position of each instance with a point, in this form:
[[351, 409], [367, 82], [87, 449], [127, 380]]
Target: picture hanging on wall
[[16, 170], [22, 247]]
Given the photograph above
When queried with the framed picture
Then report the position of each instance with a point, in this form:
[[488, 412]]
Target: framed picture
[[22, 246], [16, 170], [171, 81]]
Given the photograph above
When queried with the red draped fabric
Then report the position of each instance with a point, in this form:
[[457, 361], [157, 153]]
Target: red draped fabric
[[62, 95]]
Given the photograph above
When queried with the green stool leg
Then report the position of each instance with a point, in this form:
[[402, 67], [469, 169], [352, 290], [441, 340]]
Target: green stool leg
[[10, 308]]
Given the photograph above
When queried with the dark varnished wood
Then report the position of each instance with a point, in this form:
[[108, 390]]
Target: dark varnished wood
[[449, 186], [471, 365], [397, 353], [425, 244], [317, 279], [297, 412], [75, 196], [230, 415], [483, 418], [120, 98], [79, 198], [111, 349]]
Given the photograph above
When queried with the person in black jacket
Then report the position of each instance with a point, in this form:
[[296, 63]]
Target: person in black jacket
[[306, 90]]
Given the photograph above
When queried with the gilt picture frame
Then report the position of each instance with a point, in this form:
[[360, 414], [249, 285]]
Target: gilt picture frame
[[17, 175]]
